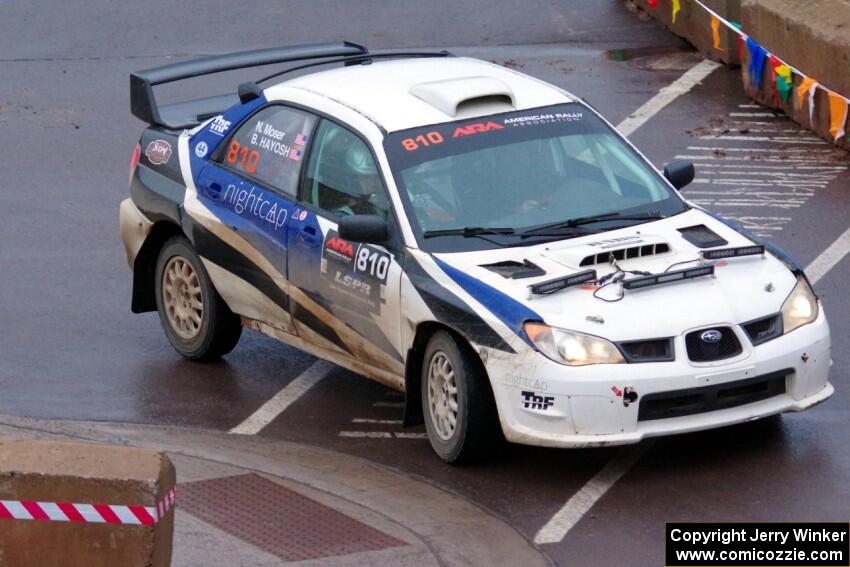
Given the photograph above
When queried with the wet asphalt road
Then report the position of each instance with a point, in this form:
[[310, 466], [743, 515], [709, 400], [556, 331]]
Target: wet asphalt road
[[71, 348]]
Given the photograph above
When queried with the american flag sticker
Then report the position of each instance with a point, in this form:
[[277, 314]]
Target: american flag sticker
[[295, 154], [300, 139]]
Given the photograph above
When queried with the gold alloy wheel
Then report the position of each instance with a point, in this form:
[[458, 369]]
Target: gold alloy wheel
[[182, 298], [442, 395]]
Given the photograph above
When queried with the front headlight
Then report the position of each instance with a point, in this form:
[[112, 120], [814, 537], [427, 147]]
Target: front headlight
[[572, 348], [800, 307]]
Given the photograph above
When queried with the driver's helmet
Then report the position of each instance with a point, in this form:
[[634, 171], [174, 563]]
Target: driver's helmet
[[359, 161]]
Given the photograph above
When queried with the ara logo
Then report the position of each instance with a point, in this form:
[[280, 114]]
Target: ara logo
[[477, 128], [337, 244], [158, 152], [530, 400]]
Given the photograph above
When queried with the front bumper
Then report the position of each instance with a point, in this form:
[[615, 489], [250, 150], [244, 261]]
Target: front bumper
[[545, 403]]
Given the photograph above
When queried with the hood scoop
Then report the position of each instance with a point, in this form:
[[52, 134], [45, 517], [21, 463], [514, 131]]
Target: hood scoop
[[516, 270], [625, 253], [702, 237]]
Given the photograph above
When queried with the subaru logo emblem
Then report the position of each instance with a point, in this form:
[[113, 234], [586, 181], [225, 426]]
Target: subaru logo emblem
[[711, 336]]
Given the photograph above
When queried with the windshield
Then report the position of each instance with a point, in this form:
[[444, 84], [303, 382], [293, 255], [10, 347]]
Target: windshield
[[522, 171]]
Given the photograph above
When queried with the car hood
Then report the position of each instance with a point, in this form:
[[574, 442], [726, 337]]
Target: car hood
[[741, 290]]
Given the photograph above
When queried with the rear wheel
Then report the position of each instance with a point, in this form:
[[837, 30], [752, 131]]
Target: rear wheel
[[195, 318], [459, 412]]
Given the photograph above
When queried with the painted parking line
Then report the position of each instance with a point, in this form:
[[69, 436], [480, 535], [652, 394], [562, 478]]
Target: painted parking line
[[665, 96], [594, 489], [579, 503], [388, 405], [829, 257], [283, 399], [382, 435]]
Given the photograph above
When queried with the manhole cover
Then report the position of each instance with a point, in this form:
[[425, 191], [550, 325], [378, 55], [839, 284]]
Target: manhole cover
[[278, 520]]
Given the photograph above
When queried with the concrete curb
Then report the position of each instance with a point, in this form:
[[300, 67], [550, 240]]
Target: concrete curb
[[455, 530]]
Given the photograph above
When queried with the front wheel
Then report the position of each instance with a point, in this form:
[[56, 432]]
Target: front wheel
[[459, 411], [195, 318]]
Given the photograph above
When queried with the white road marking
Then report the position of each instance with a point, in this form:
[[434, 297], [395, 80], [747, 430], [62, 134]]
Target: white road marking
[[583, 500], [665, 96], [410, 435], [827, 259], [382, 435], [753, 114], [377, 421], [780, 140], [388, 405], [283, 399], [760, 166], [801, 151], [366, 434]]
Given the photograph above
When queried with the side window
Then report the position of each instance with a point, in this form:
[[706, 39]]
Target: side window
[[269, 147], [341, 176]]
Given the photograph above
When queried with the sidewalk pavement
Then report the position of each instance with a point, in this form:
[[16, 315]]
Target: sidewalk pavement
[[252, 501]]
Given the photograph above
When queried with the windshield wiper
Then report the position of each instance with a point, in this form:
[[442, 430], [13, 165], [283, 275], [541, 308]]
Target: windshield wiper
[[468, 231], [580, 221]]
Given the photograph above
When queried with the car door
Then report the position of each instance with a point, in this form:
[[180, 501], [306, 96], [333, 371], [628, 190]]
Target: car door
[[250, 185], [351, 288]]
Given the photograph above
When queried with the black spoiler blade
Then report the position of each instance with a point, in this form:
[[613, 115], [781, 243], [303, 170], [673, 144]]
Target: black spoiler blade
[[143, 103]]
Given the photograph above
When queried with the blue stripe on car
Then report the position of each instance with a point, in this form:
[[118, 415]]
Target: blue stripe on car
[[510, 311]]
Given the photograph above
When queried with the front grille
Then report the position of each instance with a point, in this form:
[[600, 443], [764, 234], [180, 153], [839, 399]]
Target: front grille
[[650, 350], [702, 351], [764, 329], [679, 403]]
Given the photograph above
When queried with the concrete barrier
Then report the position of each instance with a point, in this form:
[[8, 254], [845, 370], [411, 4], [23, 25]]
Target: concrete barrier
[[694, 25], [814, 37], [84, 505]]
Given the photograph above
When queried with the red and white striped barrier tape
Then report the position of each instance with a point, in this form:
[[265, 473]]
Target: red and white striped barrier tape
[[87, 513]]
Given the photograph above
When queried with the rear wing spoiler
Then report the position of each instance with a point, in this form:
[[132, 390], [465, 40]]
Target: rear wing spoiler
[[190, 113]]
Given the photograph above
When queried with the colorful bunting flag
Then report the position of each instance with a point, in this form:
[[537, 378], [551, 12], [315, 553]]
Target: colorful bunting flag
[[676, 8], [805, 86], [757, 57], [715, 30], [837, 115], [808, 85], [782, 79], [782, 74], [652, 3]]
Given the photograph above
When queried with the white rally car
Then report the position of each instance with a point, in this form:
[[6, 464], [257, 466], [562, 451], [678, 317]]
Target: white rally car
[[478, 239]]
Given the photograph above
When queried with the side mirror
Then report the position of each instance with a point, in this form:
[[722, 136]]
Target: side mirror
[[680, 173], [370, 229]]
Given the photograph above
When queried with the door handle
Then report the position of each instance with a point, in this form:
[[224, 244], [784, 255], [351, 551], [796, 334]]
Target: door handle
[[309, 235]]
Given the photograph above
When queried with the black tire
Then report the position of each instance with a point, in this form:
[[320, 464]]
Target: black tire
[[219, 329], [476, 425]]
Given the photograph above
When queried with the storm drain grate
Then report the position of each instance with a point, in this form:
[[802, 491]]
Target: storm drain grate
[[278, 520]]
